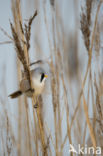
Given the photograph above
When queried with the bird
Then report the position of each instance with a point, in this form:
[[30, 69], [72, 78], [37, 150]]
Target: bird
[[38, 76]]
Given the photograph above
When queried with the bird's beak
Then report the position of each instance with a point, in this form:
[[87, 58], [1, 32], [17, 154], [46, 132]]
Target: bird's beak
[[46, 76]]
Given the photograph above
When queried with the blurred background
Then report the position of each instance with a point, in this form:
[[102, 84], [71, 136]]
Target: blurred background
[[67, 36]]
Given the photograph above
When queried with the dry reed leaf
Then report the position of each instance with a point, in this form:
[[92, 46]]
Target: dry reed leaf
[[88, 123], [97, 41], [99, 109]]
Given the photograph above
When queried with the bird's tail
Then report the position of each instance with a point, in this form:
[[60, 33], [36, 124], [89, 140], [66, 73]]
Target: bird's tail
[[15, 94]]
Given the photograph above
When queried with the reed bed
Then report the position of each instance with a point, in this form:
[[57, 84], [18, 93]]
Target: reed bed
[[71, 113]]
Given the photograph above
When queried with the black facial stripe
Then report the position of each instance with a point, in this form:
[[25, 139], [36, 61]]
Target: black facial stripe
[[42, 77]]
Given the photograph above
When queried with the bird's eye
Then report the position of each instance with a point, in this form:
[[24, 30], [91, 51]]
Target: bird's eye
[[42, 77]]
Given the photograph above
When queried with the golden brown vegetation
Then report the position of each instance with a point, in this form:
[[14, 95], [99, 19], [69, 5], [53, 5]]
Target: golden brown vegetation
[[76, 101]]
